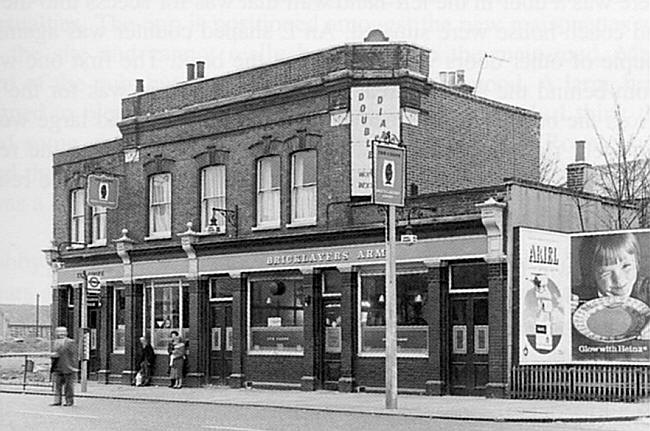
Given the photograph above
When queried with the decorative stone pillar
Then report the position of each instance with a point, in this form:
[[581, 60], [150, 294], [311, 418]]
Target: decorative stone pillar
[[133, 296], [237, 377], [309, 380], [347, 381], [435, 312], [197, 357], [492, 216], [105, 334]]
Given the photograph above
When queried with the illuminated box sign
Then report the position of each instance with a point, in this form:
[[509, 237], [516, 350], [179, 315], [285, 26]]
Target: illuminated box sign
[[388, 174], [102, 191], [374, 110]]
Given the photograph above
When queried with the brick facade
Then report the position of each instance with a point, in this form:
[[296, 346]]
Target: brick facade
[[461, 142]]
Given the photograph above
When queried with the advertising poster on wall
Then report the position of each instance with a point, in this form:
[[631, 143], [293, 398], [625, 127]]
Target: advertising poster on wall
[[544, 297], [373, 110], [610, 301]]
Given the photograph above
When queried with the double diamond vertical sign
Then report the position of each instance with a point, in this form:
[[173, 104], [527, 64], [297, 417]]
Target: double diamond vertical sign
[[388, 175]]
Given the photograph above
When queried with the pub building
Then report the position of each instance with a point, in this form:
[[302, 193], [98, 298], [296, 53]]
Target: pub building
[[236, 210]]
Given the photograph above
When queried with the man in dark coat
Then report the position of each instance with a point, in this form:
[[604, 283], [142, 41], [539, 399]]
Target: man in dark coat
[[64, 366], [146, 360]]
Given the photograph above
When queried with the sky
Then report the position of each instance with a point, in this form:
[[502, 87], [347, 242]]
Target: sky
[[65, 66]]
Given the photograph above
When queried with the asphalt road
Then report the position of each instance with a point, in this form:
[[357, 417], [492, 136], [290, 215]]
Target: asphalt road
[[32, 412]]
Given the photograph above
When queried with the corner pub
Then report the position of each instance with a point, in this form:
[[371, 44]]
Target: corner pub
[[243, 222]]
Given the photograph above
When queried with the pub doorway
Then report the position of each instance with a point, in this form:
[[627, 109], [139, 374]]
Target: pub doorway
[[329, 322], [221, 342]]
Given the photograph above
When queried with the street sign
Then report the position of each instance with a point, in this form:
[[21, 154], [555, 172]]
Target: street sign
[[94, 283], [103, 191], [388, 162]]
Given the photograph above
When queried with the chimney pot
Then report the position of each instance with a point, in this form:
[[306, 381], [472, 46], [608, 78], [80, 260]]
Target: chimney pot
[[200, 69], [190, 71], [139, 85], [580, 151]]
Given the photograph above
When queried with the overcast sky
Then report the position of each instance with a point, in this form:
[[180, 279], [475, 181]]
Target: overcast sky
[[65, 65]]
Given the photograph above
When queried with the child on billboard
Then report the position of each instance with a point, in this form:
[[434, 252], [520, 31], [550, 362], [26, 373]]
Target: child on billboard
[[613, 267]]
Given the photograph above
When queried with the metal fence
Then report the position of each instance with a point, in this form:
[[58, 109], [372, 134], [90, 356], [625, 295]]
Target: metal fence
[[581, 382], [25, 369]]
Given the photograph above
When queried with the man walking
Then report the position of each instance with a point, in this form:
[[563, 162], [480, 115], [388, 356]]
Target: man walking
[[64, 362]]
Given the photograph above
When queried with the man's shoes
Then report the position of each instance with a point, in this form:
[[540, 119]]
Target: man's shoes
[[55, 404], [68, 405]]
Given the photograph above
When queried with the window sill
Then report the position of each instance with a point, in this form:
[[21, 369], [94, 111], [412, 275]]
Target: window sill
[[206, 233], [399, 355], [266, 227], [157, 237], [274, 353], [101, 243], [76, 247], [302, 223]]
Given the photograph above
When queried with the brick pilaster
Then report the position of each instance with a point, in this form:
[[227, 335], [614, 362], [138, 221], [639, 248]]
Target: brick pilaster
[[198, 338], [434, 313], [237, 377], [498, 332], [309, 380], [133, 322], [347, 381]]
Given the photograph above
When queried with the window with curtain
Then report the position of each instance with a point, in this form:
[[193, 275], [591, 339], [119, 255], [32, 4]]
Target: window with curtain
[[268, 192], [213, 195], [99, 225], [77, 216], [119, 326], [412, 328], [303, 187], [166, 309], [160, 204]]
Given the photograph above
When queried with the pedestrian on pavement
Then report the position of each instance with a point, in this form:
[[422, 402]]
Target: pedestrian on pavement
[[176, 360], [146, 359], [64, 366]]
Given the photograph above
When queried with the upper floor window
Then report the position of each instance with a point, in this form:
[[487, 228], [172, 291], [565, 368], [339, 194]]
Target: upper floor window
[[77, 216], [160, 205], [303, 187], [99, 225], [213, 195], [268, 192]]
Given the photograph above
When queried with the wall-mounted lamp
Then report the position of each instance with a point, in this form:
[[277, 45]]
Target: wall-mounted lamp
[[381, 298], [231, 217], [418, 299]]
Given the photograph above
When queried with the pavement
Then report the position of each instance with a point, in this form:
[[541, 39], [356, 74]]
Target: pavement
[[434, 407]]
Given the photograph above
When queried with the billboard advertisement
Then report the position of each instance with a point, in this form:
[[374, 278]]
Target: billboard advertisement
[[374, 110], [604, 291], [545, 294]]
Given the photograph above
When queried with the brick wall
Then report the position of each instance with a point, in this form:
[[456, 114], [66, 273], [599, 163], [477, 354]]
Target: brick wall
[[411, 372], [276, 369], [464, 141]]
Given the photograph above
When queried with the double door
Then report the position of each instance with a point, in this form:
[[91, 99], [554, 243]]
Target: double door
[[469, 344], [221, 342]]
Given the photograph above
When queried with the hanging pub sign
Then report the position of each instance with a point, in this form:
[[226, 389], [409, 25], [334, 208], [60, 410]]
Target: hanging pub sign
[[102, 191], [388, 174], [584, 297]]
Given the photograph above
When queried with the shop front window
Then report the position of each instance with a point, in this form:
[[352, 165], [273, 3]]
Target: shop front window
[[166, 309], [412, 328], [276, 316]]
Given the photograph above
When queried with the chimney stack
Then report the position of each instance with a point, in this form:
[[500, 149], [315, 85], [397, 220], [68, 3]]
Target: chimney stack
[[580, 151], [190, 71], [200, 69], [577, 173], [139, 85]]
